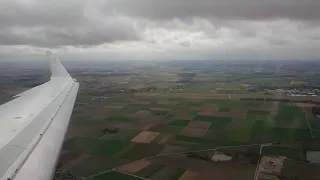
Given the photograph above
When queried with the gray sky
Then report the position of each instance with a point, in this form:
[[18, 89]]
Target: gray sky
[[160, 29]]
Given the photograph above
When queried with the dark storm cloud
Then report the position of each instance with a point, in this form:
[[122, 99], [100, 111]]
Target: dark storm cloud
[[55, 37], [225, 9], [86, 23], [57, 23], [38, 13]]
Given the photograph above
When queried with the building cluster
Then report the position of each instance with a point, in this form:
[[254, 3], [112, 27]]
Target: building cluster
[[100, 98], [295, 92]]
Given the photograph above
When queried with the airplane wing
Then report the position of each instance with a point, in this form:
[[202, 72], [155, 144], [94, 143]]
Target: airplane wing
[[33, 126]]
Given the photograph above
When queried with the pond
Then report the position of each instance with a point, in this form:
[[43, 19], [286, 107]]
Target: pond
[[313, 156], [220, 157]]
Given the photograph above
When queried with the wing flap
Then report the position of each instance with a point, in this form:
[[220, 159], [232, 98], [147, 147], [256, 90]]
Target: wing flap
[[26, 120], [48, 149]]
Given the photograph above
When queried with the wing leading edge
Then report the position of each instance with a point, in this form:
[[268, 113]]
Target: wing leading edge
[[33, 126]]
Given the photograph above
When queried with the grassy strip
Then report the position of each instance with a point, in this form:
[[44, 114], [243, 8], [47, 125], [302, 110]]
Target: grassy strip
[[289, 152]]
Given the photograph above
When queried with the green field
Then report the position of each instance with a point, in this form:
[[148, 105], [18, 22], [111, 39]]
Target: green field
[[178, 107], [297, 82], [213, 119], [172, 130], [289, 152], [219, 123], [257, 127], [290, 114], [224, 109], [256, 105], [119, 118], [242, 130], [96, 164], [93, 146], [262, 117], [179, 123], [316, 133], [277, 134], [123, 134], [140, 151], [85, 121], [206, 141], [191, 139], [197, 89]]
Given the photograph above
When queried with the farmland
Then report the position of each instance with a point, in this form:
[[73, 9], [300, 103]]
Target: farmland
[[166, 120]]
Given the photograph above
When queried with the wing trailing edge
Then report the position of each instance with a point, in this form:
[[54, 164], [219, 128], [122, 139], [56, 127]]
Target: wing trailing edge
[[33, 126]]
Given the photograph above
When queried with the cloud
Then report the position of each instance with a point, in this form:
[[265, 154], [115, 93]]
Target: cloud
[[57, 23], [226, 9], [153, 29]]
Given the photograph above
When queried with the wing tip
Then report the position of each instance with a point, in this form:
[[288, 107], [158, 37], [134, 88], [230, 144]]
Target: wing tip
[[57, 69]]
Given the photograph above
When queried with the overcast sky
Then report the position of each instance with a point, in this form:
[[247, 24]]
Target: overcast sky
[[160, 29]]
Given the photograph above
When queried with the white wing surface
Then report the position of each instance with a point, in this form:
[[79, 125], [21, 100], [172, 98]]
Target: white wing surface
[[33, 126]]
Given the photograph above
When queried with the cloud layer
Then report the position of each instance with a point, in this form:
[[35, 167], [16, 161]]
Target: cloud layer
[[226, 9], [153, 29], [58, 23]]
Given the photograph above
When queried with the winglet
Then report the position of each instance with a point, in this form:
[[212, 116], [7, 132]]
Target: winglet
[[57, 70]]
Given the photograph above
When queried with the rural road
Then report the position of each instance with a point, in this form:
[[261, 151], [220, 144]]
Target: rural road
[[309, 125], [167, 154]]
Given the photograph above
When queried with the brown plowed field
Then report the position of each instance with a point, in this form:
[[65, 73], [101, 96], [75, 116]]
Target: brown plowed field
[[134, 167], [189, 175], [145, 137]]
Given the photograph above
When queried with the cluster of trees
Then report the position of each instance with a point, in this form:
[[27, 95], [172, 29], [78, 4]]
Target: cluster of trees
[[59, 175], [110, 130], [144, 89], [198, 155], [281, 100]]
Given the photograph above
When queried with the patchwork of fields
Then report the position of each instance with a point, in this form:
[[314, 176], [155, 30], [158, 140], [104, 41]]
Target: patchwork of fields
[[175, 119], [149, 126]]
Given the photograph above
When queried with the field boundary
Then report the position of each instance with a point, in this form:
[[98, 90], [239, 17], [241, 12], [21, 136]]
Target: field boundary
[[130, 174], [167, 154], [310, 129]]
